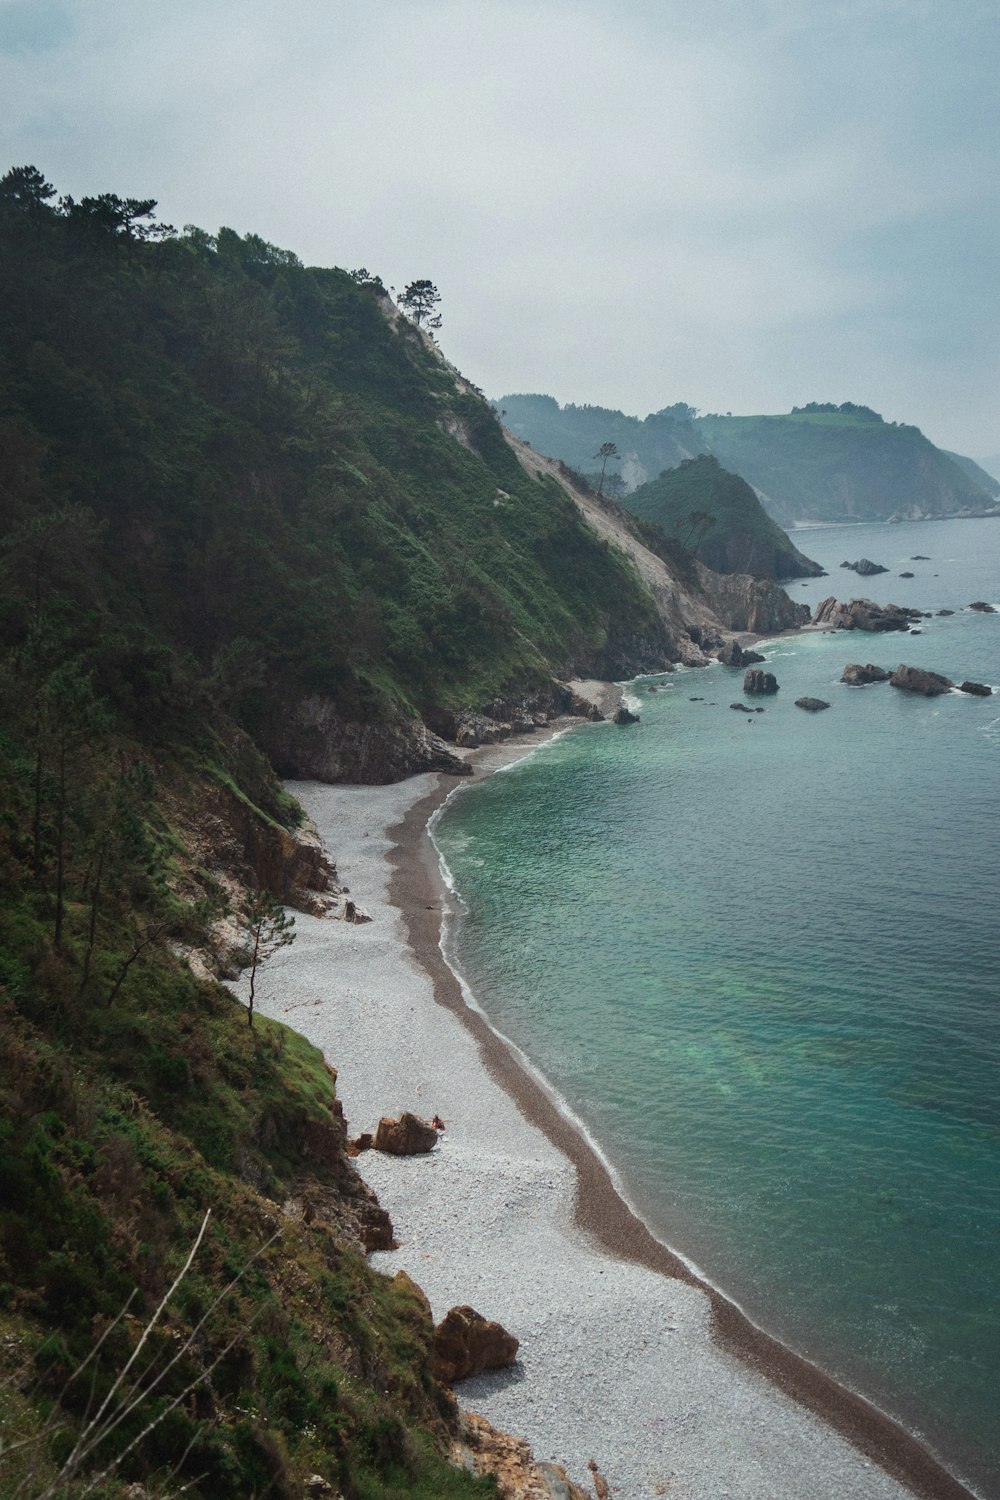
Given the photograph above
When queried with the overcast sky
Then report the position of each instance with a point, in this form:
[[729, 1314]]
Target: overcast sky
[[742, 204]]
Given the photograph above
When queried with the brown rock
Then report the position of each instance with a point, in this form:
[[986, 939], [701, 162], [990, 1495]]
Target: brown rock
[[600, 1483], [623, 716], [856, 675], [758, 682], [407, 1136], [466, 1343], [917, 680], [517, 1473], [362, 1142], [814, 705], [732, 654], [863, 614]]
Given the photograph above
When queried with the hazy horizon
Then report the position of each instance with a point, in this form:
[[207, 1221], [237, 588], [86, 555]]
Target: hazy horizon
[[741, 207]]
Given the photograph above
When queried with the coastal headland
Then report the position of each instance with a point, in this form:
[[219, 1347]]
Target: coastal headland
[[626, 1355]]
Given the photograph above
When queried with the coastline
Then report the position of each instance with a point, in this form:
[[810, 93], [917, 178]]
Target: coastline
[[653, 1357]]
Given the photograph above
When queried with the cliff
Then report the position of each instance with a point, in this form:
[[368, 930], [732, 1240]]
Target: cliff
[[250, 519]]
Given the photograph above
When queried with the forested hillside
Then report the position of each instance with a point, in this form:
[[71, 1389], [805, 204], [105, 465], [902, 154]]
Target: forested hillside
[[717, 516], [830, 463], [242, 503], [820, 462]]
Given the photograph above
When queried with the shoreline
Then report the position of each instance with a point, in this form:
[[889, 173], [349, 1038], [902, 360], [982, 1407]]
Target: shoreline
[[600, 1210], [516, 1212]]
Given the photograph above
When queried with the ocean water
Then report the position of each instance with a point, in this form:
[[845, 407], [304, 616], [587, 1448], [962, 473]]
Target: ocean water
[[760, 959]]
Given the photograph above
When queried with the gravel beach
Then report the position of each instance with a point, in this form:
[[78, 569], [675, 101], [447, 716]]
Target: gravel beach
[[625, 1358]]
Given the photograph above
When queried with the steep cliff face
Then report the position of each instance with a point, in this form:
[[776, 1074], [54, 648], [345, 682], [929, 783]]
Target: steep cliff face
[[743, 603], [696, 605]]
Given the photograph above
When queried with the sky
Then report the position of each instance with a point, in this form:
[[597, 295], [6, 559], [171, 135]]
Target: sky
[[741, 204]]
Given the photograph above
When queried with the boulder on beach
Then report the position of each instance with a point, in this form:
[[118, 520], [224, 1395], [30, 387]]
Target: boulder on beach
[[813, 705], [865, 567], [733, 654], [856, 675], [759, 683], [977, 689], [407, 1136], [983, 607], [623, 716], [919, 680], [466, 1343]]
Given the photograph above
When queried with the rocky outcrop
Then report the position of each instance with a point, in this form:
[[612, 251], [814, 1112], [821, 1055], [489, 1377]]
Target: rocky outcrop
[[856, 675], [511, 1463], [812, 705], [918, 680], [407, 1136], [982, 607], [622, 715], [744, 708], [758, 683], [863, 614], [732, 654], [466, 1343], [314, 742], [751, 604], [501, 718], [865, 567], [977, 689]]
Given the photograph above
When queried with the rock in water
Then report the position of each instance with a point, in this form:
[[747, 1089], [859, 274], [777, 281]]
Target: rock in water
[[758, 682], [733, 655], [865, 567], [857, 676], [812, 704], [983, 607], [466, 1343], [917, 680], [622, 716], [977, 689], [407, 1136], [863, 614]]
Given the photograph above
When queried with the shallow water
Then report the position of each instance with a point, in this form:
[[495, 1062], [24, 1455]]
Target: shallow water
[[759, 959]]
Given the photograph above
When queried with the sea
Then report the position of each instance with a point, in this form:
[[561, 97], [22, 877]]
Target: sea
[[757, 956]]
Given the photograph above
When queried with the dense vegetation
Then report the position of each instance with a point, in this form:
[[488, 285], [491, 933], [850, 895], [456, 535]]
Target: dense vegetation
[[842, 463], [717, 516], [227, 482], [821, 462]]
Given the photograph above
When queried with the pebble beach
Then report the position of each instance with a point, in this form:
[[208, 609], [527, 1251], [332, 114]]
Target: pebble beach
[[625, 1356]]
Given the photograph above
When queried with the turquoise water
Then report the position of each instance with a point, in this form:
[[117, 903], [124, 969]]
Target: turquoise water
[[760, 960]]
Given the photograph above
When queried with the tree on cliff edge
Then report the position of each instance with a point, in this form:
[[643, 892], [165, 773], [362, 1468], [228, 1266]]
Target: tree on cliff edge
[[419, 299], [268, 927]]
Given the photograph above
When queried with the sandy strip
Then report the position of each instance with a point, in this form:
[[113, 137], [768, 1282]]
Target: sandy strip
[[624, 1356]]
